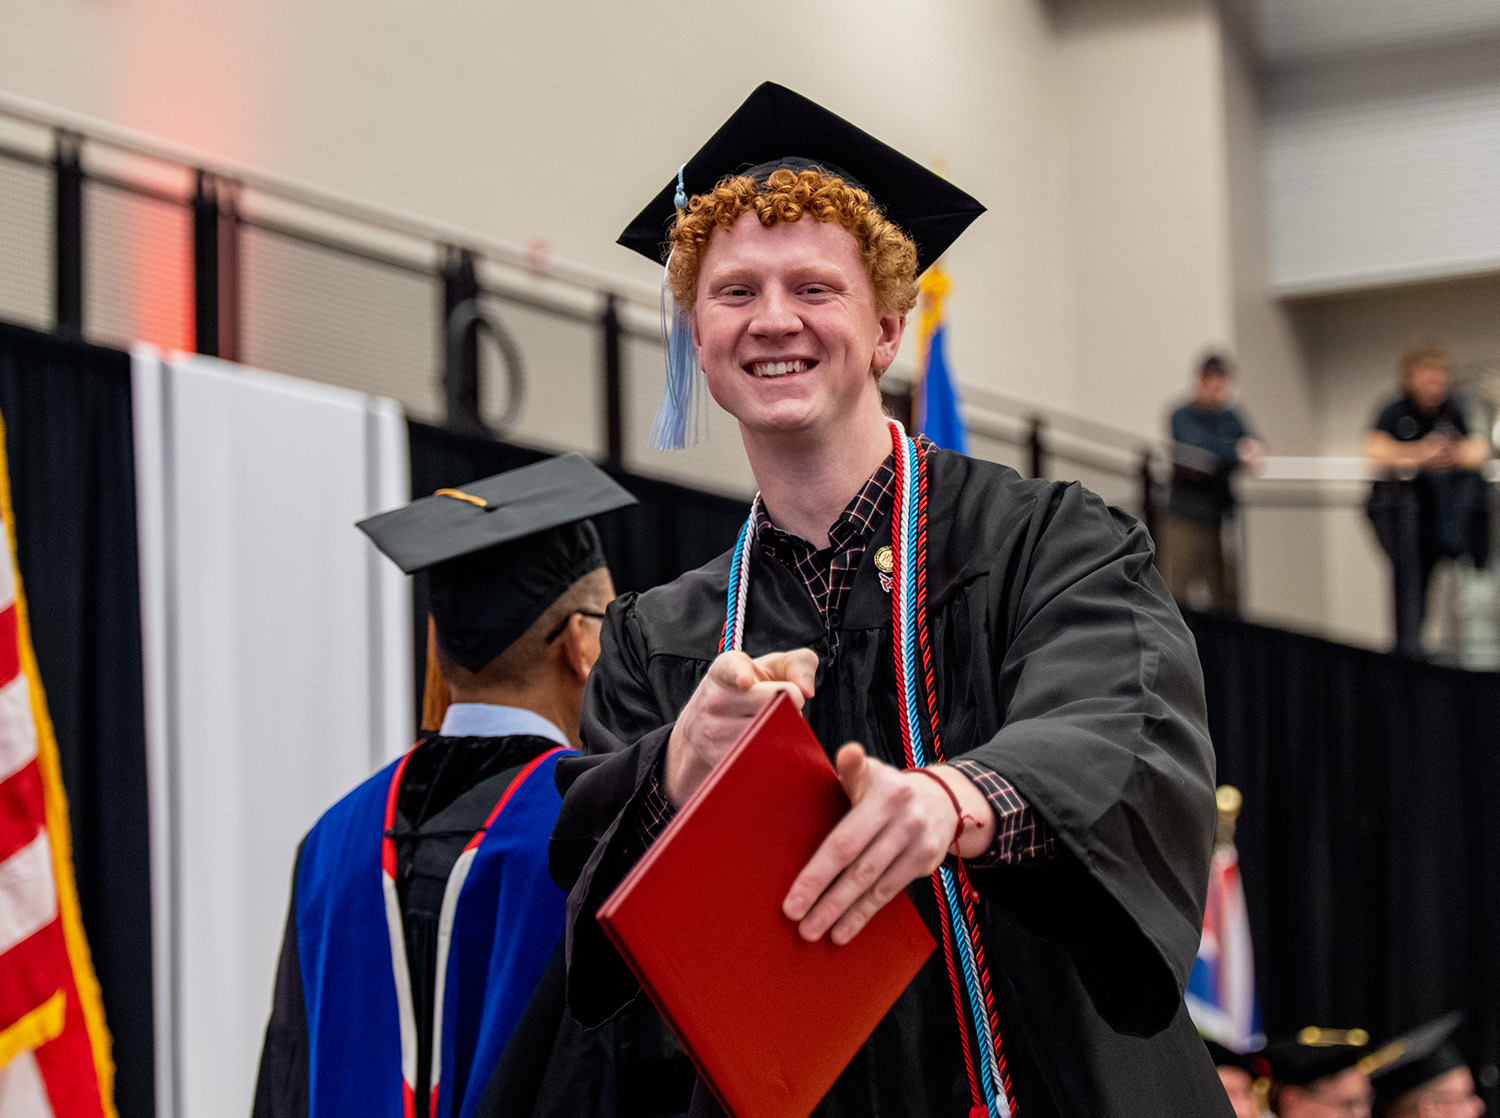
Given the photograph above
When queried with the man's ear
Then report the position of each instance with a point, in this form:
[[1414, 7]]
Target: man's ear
[[892, 327], [579, 646]]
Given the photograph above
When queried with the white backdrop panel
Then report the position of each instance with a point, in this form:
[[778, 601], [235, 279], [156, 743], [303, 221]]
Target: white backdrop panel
[[1382, 168], [278, 668]]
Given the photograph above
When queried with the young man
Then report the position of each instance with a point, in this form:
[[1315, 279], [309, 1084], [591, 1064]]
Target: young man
[[1210, 440], [1063, 682], [422, 915]]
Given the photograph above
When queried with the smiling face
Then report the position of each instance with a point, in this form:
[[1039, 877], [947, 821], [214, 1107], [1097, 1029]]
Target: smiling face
[[786, 328]]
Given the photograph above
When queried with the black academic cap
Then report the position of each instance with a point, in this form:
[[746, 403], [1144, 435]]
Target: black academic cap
[[1228, 1058], [1314, 1053], [1417, 1058], [778, 128], [498, 552]]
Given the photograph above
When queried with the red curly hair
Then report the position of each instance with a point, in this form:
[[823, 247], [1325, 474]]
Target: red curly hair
[[889, 256]]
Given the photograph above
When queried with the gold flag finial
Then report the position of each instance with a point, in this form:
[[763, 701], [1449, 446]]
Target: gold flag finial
[[1228, 800]]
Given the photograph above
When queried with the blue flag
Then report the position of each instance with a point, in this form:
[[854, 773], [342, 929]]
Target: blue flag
[[937, 403]]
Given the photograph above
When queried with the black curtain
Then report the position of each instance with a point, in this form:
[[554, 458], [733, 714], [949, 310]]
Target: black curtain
[[672, 530], [1369, 840], [69, 442]]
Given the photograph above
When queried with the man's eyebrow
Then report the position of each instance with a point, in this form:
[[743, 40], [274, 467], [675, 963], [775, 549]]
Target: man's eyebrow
[[797, 273]]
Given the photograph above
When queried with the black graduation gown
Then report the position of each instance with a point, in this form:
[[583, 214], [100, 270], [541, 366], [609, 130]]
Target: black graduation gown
[[1062, 664]]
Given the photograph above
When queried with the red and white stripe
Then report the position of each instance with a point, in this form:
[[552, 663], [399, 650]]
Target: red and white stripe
[[46, 1060]]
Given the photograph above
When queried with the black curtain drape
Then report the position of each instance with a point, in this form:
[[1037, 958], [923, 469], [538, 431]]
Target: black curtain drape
[[672, 530], [1369, 841], [69, 442]]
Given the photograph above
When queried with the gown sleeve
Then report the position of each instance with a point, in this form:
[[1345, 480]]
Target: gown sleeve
[[1104, 733], [597, 836], [281, 1088]]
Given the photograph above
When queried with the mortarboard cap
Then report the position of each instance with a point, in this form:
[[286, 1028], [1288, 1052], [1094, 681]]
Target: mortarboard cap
[[1417, 1058], [1222, 1056], [1315, 1053], [778, 128], [500, 551]]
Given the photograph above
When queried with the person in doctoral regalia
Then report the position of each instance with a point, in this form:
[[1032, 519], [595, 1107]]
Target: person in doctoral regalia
[[1022, 700], [422, 917]]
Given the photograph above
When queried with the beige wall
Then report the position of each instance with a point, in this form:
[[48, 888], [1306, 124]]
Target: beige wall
[[1147, 229], [1091, 128], [1119, 145], [1285, 576]]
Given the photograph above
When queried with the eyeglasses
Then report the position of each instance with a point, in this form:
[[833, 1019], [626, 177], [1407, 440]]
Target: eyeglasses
[[563, 624]]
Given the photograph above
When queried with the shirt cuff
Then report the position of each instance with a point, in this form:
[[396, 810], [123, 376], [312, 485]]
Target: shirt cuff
[[652, 814], [1021, 835]]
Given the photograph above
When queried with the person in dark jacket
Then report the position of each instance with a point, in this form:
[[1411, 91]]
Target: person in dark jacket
[[1430, 502], [1211, 440]]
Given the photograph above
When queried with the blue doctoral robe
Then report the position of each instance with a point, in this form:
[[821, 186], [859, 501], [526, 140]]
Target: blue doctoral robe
[[346, 1031]]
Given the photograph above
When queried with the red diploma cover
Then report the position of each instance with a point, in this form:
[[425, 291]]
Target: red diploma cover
[[769, 1020]]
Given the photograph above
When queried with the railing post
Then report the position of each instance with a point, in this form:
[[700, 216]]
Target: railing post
[[205, 207], [1038, 447], [614, 386], [460, 346], [1148, 493], [229, 270], [68, 232]]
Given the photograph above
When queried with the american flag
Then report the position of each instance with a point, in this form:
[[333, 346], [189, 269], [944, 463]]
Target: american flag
[[54, 1050], [1221, 989]]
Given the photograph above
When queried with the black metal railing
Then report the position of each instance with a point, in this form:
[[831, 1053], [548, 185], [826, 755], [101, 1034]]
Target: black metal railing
[[471, 309]]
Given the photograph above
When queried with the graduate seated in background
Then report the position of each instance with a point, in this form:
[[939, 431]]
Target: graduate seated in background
[[1320, 1073], [1426, 1076], [1077, 797], [1238, 1072], [422, 915]]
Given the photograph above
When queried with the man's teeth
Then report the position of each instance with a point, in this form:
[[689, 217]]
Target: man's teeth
[[777, 368]]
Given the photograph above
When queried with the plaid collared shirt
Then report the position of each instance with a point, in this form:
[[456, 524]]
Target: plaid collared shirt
[[1020, 834]]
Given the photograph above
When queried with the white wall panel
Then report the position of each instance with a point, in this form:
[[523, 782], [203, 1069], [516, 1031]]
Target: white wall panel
[[1301, 28], [1385, 168]]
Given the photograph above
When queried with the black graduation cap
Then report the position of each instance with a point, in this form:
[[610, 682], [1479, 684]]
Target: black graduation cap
[[1314, 1053], [775, 128], [1228, 1058], [500, 551], [1417, 1058]]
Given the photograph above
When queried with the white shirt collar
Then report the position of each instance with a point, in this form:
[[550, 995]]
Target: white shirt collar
[[486, 720]]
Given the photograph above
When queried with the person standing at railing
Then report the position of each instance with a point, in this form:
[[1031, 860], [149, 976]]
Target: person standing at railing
[[1431, 502], [1210, 441]]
